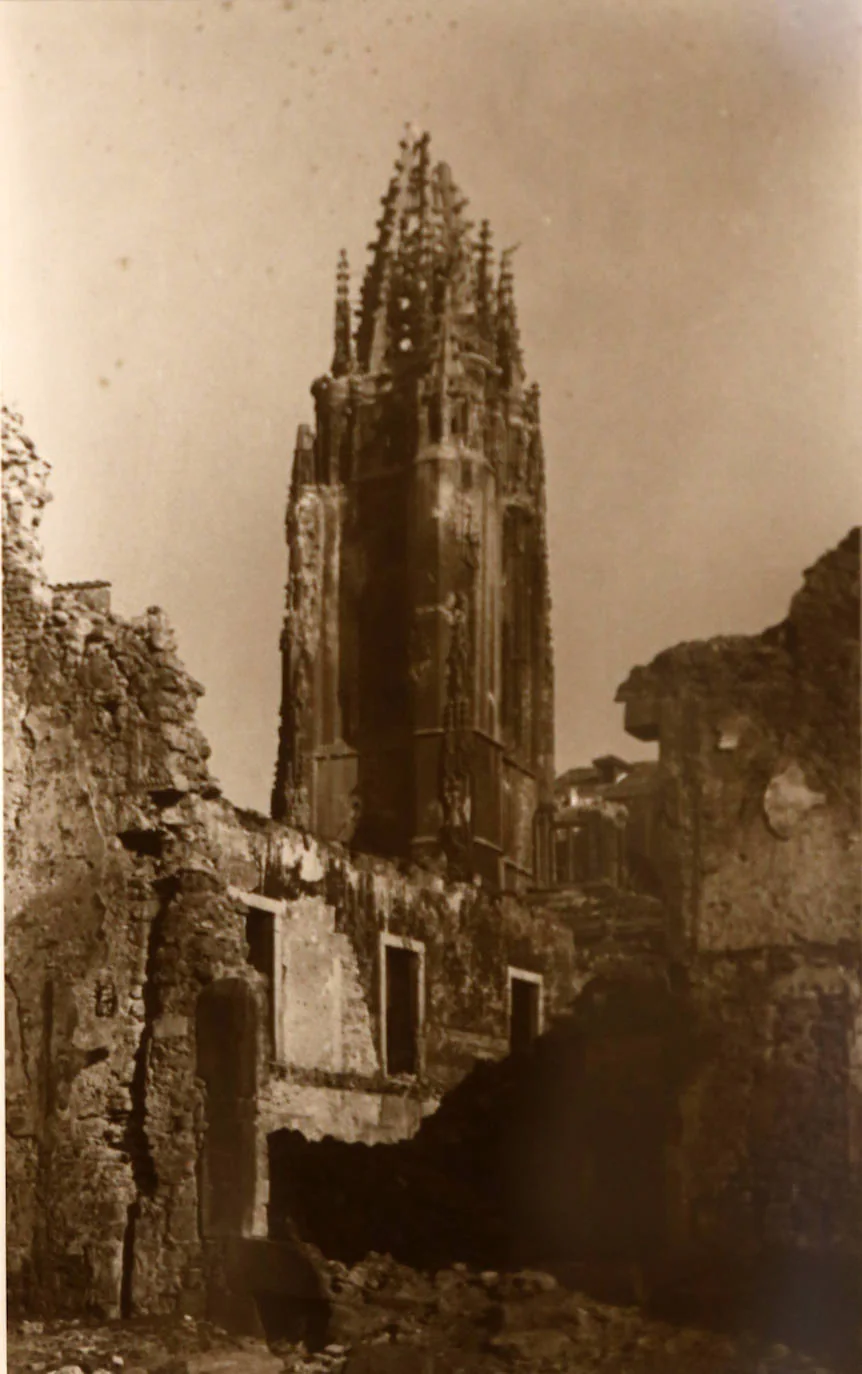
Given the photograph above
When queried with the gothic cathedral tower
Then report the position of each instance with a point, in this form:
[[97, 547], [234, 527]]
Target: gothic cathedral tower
[[417, 699]]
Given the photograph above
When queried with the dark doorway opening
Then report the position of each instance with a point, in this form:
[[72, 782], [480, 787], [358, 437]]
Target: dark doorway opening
[[524, 1014], [226, 1025], [402, 1010]]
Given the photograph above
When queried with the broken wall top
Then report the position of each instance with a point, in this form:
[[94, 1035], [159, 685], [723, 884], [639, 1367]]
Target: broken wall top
[[759, 771]]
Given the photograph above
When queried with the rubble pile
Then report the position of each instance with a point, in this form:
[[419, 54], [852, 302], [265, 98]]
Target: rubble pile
[[389, 1319], [188, 986]]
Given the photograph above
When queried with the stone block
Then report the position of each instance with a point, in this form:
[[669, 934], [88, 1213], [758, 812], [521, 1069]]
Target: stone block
[[256, 1359]]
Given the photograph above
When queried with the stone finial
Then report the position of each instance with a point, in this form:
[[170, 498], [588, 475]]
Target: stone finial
[[509, 357], [424, 245], [342, 358], [484, 280]]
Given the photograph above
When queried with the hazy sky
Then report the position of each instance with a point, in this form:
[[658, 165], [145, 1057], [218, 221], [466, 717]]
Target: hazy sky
[[683, 179]]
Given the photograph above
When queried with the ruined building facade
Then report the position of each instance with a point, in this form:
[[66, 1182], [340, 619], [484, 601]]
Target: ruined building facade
[[184, 979], [197, 996], [417, 703]]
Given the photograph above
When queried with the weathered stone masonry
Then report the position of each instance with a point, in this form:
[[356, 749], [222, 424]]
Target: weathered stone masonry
[[187, 982], [698, 1114], [107, 898], [417, 701], [130, 884], [759, 838]]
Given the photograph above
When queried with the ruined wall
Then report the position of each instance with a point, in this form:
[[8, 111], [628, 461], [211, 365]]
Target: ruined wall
[[112, 927], [769, 1125], [335, 913], [185, 981], [553, 1154], [759, 778], [758, 851], [577, 1155], [136, 1121]]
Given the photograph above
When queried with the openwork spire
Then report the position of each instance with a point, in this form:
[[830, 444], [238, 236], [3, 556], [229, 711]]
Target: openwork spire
[[342, 358], [419, 500], [509, 357], [431, 276], [484, 283]]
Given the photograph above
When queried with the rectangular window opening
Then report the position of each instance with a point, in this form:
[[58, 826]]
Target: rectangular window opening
[[402, 1010], [260, 938]]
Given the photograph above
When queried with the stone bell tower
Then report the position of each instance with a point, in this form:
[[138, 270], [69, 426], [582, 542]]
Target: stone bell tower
[[417, 699]]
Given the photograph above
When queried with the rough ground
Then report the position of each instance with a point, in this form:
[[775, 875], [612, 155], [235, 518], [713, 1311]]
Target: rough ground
[[388, 1319]]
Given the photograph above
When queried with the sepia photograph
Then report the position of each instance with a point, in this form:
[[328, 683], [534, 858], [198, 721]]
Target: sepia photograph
[[432, 485]]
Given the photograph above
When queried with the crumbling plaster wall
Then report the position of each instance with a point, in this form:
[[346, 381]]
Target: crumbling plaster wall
[[337, 908], [114, 921], [759, 777], [758, 842], [122, 866]]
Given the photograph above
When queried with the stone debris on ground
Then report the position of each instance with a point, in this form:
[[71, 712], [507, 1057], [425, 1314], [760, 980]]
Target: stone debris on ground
[[386, 1318]]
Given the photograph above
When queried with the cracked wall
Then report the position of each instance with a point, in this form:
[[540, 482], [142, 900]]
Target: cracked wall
[[131, 888], [111, 928], [758, 851], [759, 778], [127, 883], [333, 914]]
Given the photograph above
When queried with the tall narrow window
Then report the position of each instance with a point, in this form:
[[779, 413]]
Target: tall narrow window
[[263, 945], [260, 938], [525, 1010], [561, 858], [402, 1010]]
